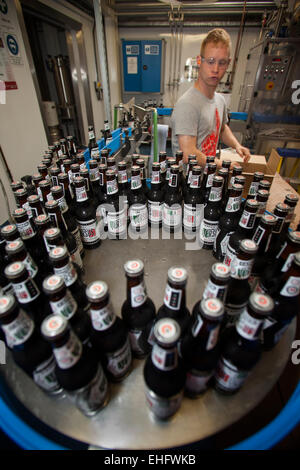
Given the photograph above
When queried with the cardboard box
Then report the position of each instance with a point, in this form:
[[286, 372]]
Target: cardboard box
[[256, 163]]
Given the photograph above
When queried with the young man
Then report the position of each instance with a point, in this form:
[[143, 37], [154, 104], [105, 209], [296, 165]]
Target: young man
[[199, 117]]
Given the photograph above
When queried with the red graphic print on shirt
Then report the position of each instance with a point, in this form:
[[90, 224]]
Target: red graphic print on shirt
[[209, 144]]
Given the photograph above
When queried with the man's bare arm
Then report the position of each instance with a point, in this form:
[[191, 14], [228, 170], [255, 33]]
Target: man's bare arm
[[187, 144], [229, 139]]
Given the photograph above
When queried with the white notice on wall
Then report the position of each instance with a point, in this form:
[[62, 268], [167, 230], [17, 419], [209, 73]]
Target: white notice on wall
[[132, 65]]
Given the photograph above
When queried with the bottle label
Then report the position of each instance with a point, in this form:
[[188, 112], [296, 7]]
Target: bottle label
[[44, 376], [229, 377], [253, 188], [261, 208], [69, 354], [91, 135], [209, 180], [212, 290], [230, 255], [173, 180], [224, 243], [122, 176], [120, 360], [194, 181], [215, 194], [112, 187], [259, 233], [68, 273], [208, 231], [192, 216], [138, 295], [94, 174], [288, 263], [25, 229], [233, 204], [138, 215], [30, 266], [19, 330], [278, 225], [291, 288], [172, 217], [26, 291], [163, 407], [155, 210], [172, 297], [247, 220], [62, 204], [66, 306], [136, 182], [117, 222], [95, 153], [196, 381], [155, 178], [81, 194], [248, 326], [164, 359], [92, 397], [103, 318], [241, 269], [27, 208], [213, 337], [88, 231], [76, 258]]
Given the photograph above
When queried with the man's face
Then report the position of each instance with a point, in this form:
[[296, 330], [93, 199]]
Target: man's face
[[211, 75]]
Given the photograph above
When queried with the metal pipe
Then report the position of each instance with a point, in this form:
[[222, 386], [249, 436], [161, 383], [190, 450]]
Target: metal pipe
[[188, 24], [198, 7]]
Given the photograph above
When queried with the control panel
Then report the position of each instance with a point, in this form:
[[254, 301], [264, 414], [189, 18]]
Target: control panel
[[273, 72]]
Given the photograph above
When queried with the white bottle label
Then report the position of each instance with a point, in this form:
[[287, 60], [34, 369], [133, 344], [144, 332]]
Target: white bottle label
[[66, 306], [155, 177], [25, 229], [68, 273], [224, 243], [192, 216], [136, 182], [213, 338], [89, 231], [95, 153], [68, 354], [233, 204], [117, 222], [241, 269], [138, 295], [119, 361], [103, 318], [253, 188], [230, 255], [30, 266], [247, 220], [44, 376], [122, 176], [248, 326], [164, 359], [228, 376], [155, 210], [112, 187], [214, 291], [19, 330], [138, 215], [81, 194], [26, 291], [172, 297], [292, 287], [209, 180], [172, 216], [215, 194], [94, 174], [208, 231]]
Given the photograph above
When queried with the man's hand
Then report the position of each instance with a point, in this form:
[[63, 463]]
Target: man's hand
[[243, 152]]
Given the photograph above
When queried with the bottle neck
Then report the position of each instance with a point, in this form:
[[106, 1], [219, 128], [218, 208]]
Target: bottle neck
[[241, 268], [69, 352], [249, 326], [164, 359], [174, 299], [262, 237], [206, 331], [247, 220], [102, 315], [81, 194], [18, 330], [290, 282], [136, 291]]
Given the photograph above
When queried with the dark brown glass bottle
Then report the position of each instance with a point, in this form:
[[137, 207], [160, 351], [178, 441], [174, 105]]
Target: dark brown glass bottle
[[217, 284], [207, 181], [257, 177], [172, 209], [45, 188], [138, 310], [35, 205], [164, 373], [138, 213], [155, 197], [141, 164], [212, 214], [93, 144], [16, 251], [109, 336], [262, 197], [123, 186], [236, 171], [116, 215], [21, 196], [77, 369]]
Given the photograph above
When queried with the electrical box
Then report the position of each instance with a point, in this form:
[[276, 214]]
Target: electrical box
[[142, 66], [274, 72]]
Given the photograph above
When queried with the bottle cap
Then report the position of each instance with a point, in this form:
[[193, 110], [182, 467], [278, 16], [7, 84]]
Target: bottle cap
[[294, 236], [177, 275], [52, 204], [44, 183], [248, 246], [21, 192], [10, 229], [240, 179], [217, 179], [261, 303], [15, 247], [53, 327], [7, 304], [283, 208], [259, 174], [268, 219], [33, 198], [252, 203], [51, 233], [96, 290], [265, 184], [14, 270], [221, 271], [263, 193], [18, 213], [297, 258], [212, 308], [42, 219], [56, 189], [60, 252], [292, 198], [53, 284], [167, 331], [237, 187], [134, 267]]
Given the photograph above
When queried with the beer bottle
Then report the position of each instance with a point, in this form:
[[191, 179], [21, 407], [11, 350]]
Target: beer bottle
[[291, 200], [26, 291], [84, 173], [164, 373], [193, 208], [93, 144], [287, 305], [191, 163], [134, 158], [212, 213], [77, 369], [280, 213], [123, 186], [272, 273], [228, 221], [264, 184], [75, 172], [245, 230], [116, 216], [81, 160], [209, 159], [224, 173], [241, 348], [62, 266], [35, 205], [138, 310], [16, 185], [155, 197], [72, 147], [238, 287], [253, 189], [170, 161], [217, 284], [199, 348], [207, 181], [111, 164], [54, 172], [54, 238], [43, 171], [16, 251], [21, 196], [172, 209], [262, 197], [5, 285], [43, 222], [101, 211], [226, 164], [45, 188], [63, 303], [236, 171], [104, 154], [10, 233], [86, 216], [137, 201], [36, 179], [64, 182], [95, 182], [174, 305], [141, 164], [63, 146], [262, 237], [163, 167], [179, 162], [29, 351], [63, 163], [109, 336]]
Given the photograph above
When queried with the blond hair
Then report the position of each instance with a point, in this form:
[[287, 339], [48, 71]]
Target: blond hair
[[215, 36]]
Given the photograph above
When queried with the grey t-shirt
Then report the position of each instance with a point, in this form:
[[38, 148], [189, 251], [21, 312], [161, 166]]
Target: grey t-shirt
[[196, 115]]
